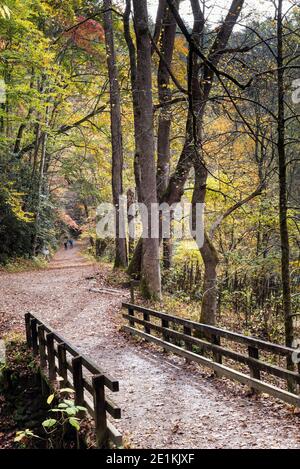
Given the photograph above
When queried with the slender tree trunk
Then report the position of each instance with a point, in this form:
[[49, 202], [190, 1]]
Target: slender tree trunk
[[116, 135], [22, 127], [159, 20], [210, 297], [151, 280], [39, 193], [199, 90], [283, 211], [135, 96], [169, 27], [87, 215], [199, 95], [131, 217]]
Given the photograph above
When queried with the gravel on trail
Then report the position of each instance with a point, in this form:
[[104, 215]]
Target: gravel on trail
[[165, 402]]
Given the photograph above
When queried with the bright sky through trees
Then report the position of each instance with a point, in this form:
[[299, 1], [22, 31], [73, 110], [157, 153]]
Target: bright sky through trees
[[218, 9]]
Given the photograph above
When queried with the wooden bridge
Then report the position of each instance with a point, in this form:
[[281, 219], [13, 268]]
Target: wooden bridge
[[59, 359], [259, 364]]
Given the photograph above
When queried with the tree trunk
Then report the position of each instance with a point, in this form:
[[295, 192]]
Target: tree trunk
[[131, 217], [116, 135], [39, 193], [210, 295], [169, 27], [283, 210], [135, 96], [200, 86], [151, 281]]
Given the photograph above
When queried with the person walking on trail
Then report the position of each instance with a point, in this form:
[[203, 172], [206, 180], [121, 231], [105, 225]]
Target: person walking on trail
[[46, 254], [66, 243], [71, 243]]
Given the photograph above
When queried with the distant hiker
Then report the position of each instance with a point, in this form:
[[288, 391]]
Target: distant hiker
[[46, 253], [71, 243], [66, 243]]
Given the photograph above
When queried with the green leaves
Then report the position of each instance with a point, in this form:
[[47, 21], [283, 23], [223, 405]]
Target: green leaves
[[62, 405], [67, 406], [49, 423], [75, 423]]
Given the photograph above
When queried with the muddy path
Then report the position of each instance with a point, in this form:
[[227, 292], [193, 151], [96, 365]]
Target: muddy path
[[165, 403]]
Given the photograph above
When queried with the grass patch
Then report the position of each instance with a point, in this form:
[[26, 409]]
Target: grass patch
[[23, 265]]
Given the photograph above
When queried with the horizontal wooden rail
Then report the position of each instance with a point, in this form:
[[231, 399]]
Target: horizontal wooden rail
[[59, 359], [234, 336], [195, 341]]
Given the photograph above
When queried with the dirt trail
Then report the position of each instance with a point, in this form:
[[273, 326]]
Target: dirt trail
[[165, 403]]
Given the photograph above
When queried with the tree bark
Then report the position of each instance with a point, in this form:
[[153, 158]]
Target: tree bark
[[39, 192], [151, 280], [130, 203], [200, 89], [283, 210], [116, 136], [169, 27], [210, 297], [135, 96]]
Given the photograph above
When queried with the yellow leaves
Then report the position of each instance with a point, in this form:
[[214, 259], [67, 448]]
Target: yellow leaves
[[5, 11], [14, 200]]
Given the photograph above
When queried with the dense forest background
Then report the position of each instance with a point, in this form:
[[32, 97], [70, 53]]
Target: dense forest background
[[100, 100]]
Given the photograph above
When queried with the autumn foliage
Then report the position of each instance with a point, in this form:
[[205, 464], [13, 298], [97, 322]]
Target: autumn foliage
[[86, 34]]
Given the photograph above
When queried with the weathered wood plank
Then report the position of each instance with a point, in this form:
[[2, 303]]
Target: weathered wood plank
[[28, 330], [100, 411], [34, 336], [51, 356], [78, 380], [222, 370], [201, 344], [131, 313], [235, 337], [110, 383], [254, 369], [42, 348], [62, 363], [73, 376], [111, 407]]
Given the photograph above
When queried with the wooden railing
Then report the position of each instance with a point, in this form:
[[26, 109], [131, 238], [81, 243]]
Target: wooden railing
[[265, 362], [59, 359]]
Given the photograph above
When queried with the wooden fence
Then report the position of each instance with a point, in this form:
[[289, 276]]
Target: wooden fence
[[264, 361], [58, 359]]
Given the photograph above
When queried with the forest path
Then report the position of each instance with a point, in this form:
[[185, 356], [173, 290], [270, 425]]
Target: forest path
[[165, 403]]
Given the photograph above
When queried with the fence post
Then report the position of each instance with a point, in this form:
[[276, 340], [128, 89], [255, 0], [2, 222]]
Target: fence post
[[34, 336], [132, 299], [100, 412], [42, 350], [62, 363], [216, 340], [78, 380], [166, 337], [131, 313], [254, 371], [51, 356], [147, 318], [188, 345], [28, 330]]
